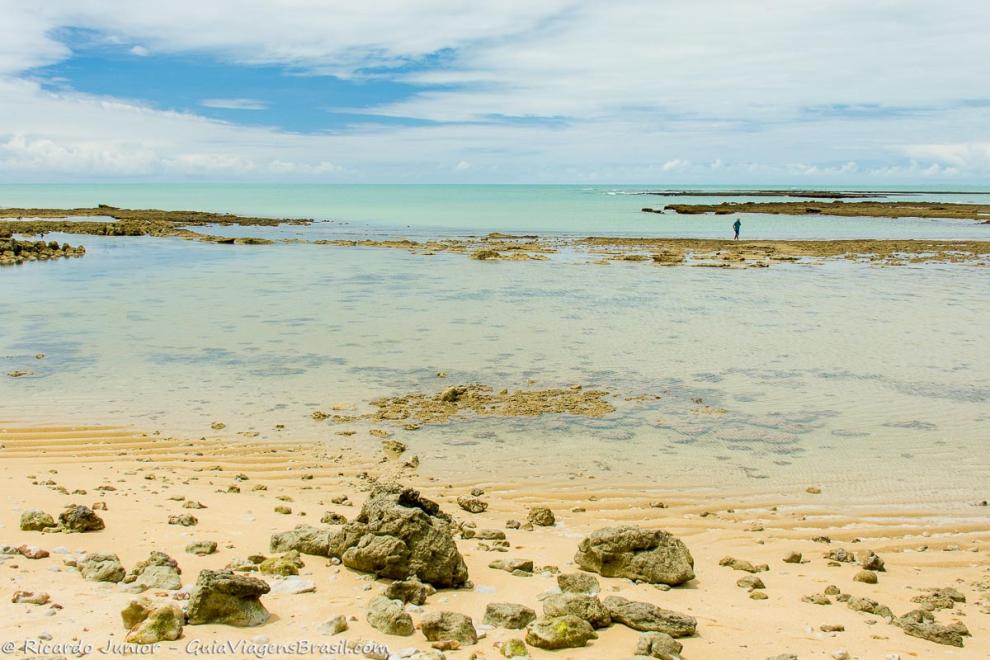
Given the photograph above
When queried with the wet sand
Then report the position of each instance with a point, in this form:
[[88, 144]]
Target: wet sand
[[48, 468]]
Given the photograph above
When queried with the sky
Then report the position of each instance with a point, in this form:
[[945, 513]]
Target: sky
[[796, 92]]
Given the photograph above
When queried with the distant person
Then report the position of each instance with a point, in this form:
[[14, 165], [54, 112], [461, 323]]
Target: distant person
[[736, 226]]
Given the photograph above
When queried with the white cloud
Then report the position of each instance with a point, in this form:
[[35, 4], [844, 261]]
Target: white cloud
[[140, 51], [641, 89], [234, 104]]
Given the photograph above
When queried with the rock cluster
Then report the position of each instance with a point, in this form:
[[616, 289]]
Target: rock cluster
[[13, 251]]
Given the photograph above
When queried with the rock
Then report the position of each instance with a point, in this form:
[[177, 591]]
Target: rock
[[334, 626], [309, 540], [652, 556], [101, 567], [30, 597], [453, 393], [832, 590], [331, 518], [292, 585], [389, 616], [409, 591], [284, 565], [933, 632], [284, 510], [438, 626], [34, 520], [225, 598], [163, 624], [158, 571], [813, 490], [585, 607], [578, 583], [840, 555], [405, 535], [658, 645], [750, 582], [512, 524], [817, 599], [78, 518], [193, 504], [472, 504], [519, 567], [565, 632], [489, 535], [871, 561], [541, 516], [508, 615], [185, 519], [940, 599], [870, 607], [135, 612], [32, 552], [514, 648], [758, 595], [649, 618], [868, 577], [743, 565], [202, 548], [793, 558], [832, 627]]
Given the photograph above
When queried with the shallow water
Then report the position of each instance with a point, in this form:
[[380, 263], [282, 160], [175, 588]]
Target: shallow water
[[872, 381]]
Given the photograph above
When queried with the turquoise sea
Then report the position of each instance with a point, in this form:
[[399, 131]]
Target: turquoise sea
[[868, 380]]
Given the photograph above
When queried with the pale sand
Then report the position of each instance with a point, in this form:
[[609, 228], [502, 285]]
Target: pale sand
[[730, 624]]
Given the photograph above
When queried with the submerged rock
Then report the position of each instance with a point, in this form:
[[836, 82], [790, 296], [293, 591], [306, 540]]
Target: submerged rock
[[564, 632], [646, 617], [653, 556], [225, 598]]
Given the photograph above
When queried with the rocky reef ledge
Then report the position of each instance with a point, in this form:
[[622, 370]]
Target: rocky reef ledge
[[13, 251]]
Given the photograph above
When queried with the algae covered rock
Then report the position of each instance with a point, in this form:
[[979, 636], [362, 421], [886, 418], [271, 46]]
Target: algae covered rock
[[439, 626], [564, 632], [226, 598], [161, 624], [389, 616], [101, 567], [583, 606], [158, 571], [653, 556], [646, 617], [285, 565], [79, 518], [34, 520], [508, 615]]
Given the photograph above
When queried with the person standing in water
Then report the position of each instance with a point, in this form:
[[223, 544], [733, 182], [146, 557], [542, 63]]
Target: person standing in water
[[736, 226]]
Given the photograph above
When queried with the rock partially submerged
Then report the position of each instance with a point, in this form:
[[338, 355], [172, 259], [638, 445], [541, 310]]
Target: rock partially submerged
[[229, 599], [653, 556]]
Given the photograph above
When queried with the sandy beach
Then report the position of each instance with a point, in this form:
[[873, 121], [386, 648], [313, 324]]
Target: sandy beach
[[143, 479]]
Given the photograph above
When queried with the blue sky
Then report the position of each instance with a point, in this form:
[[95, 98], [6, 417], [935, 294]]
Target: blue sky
[[653, 91]]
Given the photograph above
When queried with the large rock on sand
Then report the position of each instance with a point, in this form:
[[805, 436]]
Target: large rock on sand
[[101, 567], [161, 624], [78, 518], [158, 571], [652, 556], [34, 520], [441, 626], [397, 535], [223, 597], [646, 617], [562, 632]]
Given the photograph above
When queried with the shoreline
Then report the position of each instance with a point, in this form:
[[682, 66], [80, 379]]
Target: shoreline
[[148, 472]]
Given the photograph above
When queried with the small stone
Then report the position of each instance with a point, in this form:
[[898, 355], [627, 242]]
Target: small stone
[[334, 626], [515, 566], [508, 615], [514, 648], [565, 632], [742, 565], [389, 616], [331, 518], [185, 520], [578, 583], [793, 558], [813, 490], [34, 520], [868, 577], [472, 504], [541, 516], [202, 548], [410, 591], [284, 510], [439, 626], [750, 582], [658, 645], [78, 518]]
